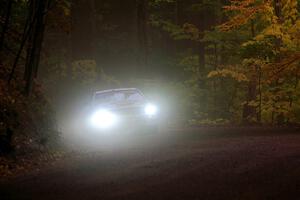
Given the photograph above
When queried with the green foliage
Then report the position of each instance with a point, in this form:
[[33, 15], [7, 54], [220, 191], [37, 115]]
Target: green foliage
[[275, 41], [251, 60], [218, 62], [239, 77]]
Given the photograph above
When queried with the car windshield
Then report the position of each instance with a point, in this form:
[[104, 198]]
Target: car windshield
[[126, 96]]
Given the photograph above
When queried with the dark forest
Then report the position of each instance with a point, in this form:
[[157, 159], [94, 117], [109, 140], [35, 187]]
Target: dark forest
[[206, 63]]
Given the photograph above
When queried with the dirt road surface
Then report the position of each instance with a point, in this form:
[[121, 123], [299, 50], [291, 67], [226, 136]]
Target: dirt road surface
[[200, 163]]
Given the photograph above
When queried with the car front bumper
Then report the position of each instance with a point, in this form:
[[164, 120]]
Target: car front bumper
[[129, 124]]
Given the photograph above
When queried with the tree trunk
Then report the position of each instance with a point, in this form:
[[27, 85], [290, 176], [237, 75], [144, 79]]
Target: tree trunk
[[26, 33], [260, 95], [201, 54], [277, 8], [216, 64], [249, 111], [278, 44], [32, 15], [202, 25], [142, 34], [6, 23], [37, 40]]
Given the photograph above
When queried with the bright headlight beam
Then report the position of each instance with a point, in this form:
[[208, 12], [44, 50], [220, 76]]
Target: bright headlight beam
[[103, 119], [151, 110]]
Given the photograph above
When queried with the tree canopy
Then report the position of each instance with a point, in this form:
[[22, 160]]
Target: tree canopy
[[222, 61]]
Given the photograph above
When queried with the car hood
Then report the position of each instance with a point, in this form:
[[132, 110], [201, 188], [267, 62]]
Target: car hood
[[121, 105]]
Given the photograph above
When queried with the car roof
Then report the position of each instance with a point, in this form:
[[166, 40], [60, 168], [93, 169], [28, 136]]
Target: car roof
[[117, 90]]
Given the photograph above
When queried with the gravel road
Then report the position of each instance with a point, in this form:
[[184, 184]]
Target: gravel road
[[199, 163]]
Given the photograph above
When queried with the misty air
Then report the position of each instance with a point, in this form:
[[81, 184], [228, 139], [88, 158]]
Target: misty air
[[149, 99]]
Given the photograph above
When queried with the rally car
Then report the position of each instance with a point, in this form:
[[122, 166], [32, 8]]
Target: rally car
[[123, 109]]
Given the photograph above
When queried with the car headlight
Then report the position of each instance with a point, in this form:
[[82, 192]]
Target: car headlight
[[151, 110], [103, 119]]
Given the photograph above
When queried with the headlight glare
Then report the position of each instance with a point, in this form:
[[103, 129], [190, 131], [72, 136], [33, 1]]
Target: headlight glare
[[151, 110], [103, 119]]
